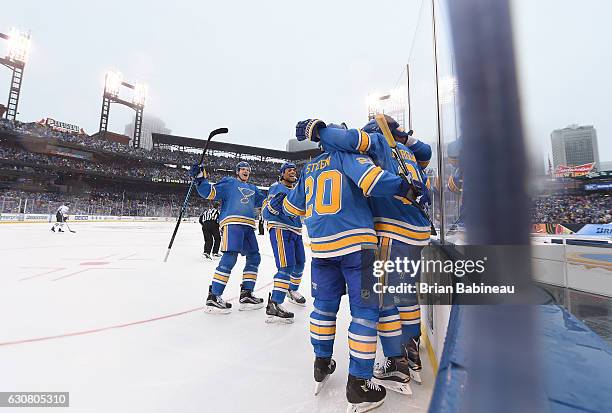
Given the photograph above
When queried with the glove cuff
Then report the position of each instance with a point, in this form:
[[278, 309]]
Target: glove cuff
[[312, 129]]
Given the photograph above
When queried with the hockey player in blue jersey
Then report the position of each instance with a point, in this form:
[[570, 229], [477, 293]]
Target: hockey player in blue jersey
[[331, 196], [402, 231], [237, 220], [286, 240]]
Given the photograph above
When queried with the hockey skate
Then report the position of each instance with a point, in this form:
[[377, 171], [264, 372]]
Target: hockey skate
[[323, 368], [363, 395], [60, 229], [207, 256], [53, 229], [277, 314], [394, 374], [248, 301], [414, 360], [216, 305], [216, 256], [296, 298]]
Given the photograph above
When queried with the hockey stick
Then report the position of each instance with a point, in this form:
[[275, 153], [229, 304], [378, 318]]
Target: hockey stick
[[384, 127], [184, 206], [69, 229]]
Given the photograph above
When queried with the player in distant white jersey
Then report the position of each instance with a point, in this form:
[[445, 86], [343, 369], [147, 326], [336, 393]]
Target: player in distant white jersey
[[61, 215]]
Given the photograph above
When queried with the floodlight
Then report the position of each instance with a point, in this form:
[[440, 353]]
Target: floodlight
[[140, 94], [113, 82], [18, 45]]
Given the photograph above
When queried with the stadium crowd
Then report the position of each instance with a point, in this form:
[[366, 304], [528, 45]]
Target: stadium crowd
[[100, 201], [573, 209], [260, 168], [123, 169], [151, 165], [131, 169]]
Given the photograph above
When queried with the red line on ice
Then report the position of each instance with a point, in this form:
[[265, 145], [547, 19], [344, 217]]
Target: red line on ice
[[116, 326]]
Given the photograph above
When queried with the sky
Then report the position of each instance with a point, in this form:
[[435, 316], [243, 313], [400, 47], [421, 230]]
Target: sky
[[258, 67]]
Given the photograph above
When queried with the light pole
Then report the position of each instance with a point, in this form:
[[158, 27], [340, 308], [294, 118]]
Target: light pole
[[18, 50], [112, 85]]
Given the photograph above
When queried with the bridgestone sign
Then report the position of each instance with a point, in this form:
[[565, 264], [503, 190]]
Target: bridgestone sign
[[61, 126]]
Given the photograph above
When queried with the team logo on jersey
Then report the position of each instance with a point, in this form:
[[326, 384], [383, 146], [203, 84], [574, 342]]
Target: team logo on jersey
[[364, 161], [246, 194]]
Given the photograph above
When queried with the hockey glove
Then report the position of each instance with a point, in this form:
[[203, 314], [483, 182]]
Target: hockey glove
[[423, 197], [309, 129], [414, 191], [407, 189], [275, 205], [198, 173]]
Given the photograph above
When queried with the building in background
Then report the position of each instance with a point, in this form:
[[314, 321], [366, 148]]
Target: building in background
[[574, 145], [150, 124], [293, 145]]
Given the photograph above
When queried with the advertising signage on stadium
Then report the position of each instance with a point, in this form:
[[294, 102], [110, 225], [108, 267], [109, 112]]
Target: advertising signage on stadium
[[600, 174], [598, 186], [573, 171], [61, 126]]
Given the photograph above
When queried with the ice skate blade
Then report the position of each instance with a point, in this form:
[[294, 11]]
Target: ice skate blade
[[214, 310], [272, 319], [363, 407], [296, 303], [398, 387], [320, 384], [250, 307], [416, 376]]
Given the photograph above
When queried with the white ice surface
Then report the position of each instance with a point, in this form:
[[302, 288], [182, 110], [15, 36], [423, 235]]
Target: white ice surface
[[123, 332]]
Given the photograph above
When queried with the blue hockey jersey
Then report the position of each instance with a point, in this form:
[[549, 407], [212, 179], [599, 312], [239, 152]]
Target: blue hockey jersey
[[282, 221], [238, 200], [331, 196], [394, 217]]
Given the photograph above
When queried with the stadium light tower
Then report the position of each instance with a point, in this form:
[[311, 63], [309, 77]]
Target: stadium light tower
[[112, 85], [15, 60]]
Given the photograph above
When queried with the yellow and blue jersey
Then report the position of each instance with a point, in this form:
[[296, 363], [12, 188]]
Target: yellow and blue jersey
[[238, 200], [331, 196], [394, 217], [282, 221], [373, 144]]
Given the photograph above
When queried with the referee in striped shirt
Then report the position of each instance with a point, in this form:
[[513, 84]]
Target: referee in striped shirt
[[210, 228]]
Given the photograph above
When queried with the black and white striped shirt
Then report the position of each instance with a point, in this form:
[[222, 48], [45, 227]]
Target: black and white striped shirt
[[211, 214]]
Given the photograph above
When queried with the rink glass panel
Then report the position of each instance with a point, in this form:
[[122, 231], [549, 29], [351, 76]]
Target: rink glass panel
[[425, 104]]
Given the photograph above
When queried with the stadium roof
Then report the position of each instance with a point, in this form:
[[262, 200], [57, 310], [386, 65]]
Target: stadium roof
[[163, 139]]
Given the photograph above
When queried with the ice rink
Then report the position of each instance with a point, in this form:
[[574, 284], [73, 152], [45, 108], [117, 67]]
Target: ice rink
[[98, 314]]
